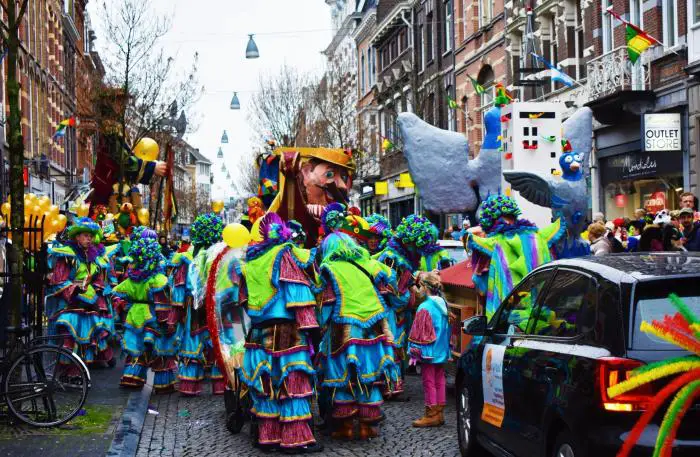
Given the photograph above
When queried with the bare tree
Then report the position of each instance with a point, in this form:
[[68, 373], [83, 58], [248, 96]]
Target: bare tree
[[143, 88], [334, 99], [248, 175], [278, 104], [10, 36]]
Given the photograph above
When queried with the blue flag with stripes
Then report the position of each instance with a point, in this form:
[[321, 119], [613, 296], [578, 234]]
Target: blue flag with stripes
[[557, 75]]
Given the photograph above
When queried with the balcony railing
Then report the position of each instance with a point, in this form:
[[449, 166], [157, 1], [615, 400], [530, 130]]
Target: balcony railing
[[613, 72]]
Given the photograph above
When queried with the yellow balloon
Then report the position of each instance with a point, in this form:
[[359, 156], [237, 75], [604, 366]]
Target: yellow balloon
[[53, 210], [44, 202], [255, 234], [236, 236], [37, 211], [62, 221], [5, 209], [82, 210], [217, 206], [147, 149], [33, 201], [143, 216]]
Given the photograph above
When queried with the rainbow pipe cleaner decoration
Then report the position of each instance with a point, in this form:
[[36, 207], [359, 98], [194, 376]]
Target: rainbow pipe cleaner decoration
[[682, 330]]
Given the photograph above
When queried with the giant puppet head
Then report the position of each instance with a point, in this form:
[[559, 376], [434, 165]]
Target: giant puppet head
[[309, 180]]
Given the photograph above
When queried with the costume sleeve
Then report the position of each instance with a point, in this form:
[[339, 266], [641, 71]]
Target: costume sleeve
[[59, 280], [422, 331], [481, 244], [292, 271], [553, 232], [138, 170]]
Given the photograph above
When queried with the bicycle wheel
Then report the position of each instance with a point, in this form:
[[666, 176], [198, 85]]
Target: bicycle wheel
[[46, 386]]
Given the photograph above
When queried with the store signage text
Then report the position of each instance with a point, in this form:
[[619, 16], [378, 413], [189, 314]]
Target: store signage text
[[662, 132], [640, 164]]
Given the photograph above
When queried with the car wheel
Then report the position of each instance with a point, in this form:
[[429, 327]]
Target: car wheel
[[567, 445], [465, 425]]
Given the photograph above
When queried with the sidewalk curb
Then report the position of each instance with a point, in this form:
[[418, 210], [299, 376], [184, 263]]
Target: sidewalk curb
[[128, 432]]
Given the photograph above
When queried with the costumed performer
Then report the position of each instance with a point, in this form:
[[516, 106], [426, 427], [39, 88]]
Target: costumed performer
[[380, 227], [429, 343], [356, 354], [277, 364], [196, 360], [511, 248], [76, 303], [151, 334]]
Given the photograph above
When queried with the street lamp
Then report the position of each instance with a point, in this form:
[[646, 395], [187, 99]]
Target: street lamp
[[223, 167], [228, 176], [235, 104], [251, 51], [220, 154], [224, 138]]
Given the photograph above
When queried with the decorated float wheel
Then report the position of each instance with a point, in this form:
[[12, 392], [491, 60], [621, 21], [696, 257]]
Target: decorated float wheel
[[237, 408]]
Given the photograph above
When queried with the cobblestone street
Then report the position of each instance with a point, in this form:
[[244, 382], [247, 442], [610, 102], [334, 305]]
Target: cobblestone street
[[195, 427]]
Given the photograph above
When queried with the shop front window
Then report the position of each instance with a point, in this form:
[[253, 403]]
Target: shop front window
[[653, 194]]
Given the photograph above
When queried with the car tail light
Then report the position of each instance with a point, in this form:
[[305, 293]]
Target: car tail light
[[614, 370]]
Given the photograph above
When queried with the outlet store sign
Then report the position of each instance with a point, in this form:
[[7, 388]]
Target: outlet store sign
[[662, 132]]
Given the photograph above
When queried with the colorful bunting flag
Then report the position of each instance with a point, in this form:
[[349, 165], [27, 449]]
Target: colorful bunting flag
[[637, 42], [452, 103], [637, 39], [478, 88], [387, 145], [556, 74], [61, 130]]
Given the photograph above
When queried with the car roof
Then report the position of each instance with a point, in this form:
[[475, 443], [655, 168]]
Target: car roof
[[638, 266], [451, 244]]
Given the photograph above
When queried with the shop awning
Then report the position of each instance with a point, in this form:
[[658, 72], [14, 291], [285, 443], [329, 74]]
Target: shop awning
[[458, 275]]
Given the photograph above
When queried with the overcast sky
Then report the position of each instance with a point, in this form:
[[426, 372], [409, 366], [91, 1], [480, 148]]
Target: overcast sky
[[291, 31]]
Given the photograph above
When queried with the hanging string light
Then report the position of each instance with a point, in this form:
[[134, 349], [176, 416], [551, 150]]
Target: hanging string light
[[224, 138], [235, 103], [251, 51], [220, 154]]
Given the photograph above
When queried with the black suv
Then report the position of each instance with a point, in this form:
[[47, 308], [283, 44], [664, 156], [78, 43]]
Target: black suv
[[533, 380]]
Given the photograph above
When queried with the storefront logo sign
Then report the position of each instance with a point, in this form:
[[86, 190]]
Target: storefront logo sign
[[662, 132], [655, 202], [642, 165]]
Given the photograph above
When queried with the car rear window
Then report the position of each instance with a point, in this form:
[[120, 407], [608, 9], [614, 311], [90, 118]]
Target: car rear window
[[652, 303]]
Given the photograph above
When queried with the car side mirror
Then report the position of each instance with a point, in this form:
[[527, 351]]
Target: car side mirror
[[475, 325]]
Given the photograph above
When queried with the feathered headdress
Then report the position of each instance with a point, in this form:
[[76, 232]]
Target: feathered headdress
[[145, 255], [206, 230], [84, 225], [682, 330], [273, 228], [339, 246], [494, 208], [416, 230]]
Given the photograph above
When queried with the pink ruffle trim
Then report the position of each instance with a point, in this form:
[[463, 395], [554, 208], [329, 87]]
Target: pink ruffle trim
[[306, 317], [186, 387], [290, 271], [298, 385], [344, 410], [268, 431], [370, 413], [297, 434], [422, 331]]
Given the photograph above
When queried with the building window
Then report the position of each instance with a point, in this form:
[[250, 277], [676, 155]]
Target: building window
[[419, 46], [448, 26], [578, 41], [608, 24], [463, 114], [553, 49], [394, 48], [486, 79], [429, 41], [430, 110], [485, 12], [451, 119], [403, 40], [670, 18], [371, 55], [696, 11], [362, 73]]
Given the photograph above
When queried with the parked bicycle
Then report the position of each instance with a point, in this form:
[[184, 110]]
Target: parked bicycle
[[43, 384]]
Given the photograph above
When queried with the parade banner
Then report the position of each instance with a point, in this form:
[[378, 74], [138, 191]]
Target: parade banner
[[492, 379]]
